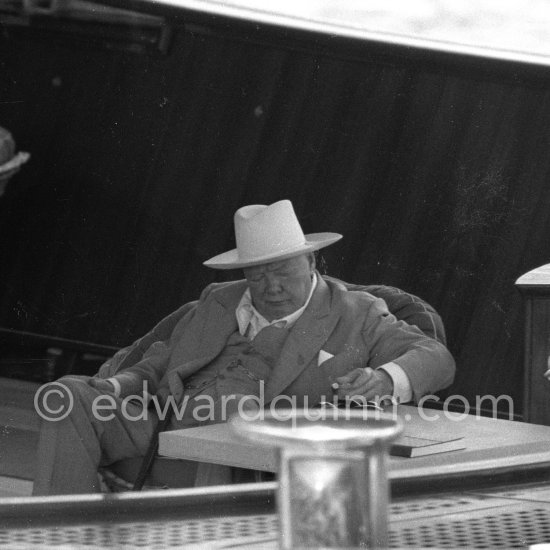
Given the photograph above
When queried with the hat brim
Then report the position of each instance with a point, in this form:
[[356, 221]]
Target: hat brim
[[231, 260], [12, 166]]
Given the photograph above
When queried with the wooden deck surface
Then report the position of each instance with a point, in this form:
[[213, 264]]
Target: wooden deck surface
[[19, 424]]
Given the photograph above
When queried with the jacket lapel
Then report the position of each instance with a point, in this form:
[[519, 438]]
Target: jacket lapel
[[219, 322], [211, 328], [304, 341]]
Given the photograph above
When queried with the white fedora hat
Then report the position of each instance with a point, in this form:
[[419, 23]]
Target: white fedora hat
[[10, 163], [267, 234]]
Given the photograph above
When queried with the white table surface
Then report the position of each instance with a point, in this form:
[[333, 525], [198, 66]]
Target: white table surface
[[490, 443]]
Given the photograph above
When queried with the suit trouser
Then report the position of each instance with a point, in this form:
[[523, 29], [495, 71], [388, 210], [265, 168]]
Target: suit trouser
[[71, 450]]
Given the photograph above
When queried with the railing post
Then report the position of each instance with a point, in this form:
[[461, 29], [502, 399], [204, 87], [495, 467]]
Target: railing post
[[535, 289]]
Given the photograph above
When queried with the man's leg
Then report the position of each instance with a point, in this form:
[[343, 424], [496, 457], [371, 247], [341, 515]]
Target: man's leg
[[70, 450]]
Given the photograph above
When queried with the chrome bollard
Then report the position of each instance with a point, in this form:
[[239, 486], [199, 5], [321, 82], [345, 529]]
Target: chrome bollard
[[333, 483]]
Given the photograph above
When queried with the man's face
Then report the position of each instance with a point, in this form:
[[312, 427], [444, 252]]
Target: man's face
[[280, 288]]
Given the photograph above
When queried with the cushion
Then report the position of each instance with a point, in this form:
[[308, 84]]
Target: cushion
[[406, 307]]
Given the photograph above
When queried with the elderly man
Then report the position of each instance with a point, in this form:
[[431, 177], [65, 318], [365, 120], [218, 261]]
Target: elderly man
[[284, 333]]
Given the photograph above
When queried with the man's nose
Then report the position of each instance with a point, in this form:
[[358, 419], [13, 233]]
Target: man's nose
[[273, 285]]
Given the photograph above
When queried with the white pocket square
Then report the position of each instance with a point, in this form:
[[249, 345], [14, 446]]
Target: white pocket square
[[323, 356]]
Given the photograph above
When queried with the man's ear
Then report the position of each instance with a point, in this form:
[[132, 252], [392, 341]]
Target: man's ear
[[312, 261]]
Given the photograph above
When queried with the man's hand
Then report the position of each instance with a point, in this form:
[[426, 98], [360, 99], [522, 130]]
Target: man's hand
[[373, 385], [102, 385]]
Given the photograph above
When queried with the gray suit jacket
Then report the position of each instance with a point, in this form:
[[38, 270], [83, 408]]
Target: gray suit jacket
[[355, 327]]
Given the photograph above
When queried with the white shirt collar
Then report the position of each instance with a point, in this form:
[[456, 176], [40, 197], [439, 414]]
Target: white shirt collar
[[251, 321]]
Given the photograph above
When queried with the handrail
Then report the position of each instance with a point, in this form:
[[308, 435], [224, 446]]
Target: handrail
[[56, 341]]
